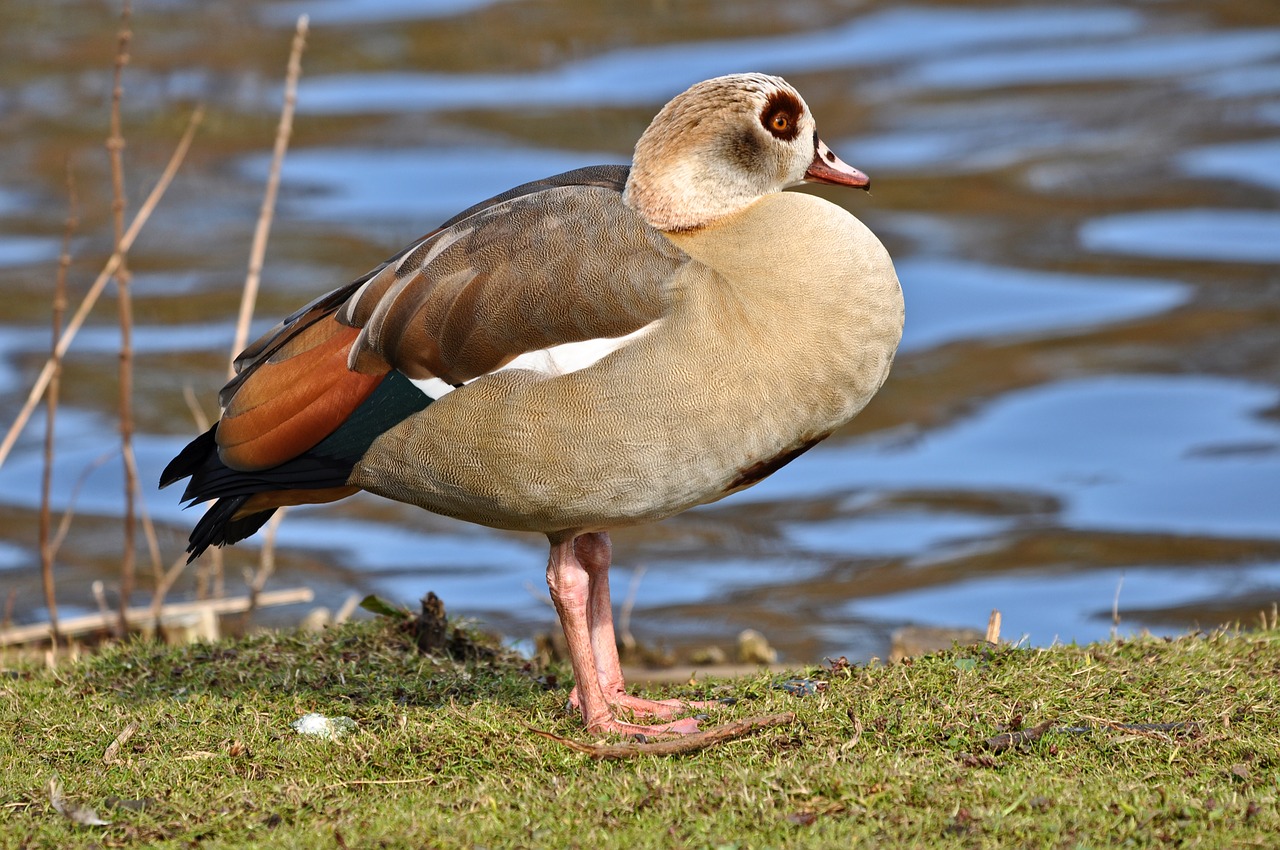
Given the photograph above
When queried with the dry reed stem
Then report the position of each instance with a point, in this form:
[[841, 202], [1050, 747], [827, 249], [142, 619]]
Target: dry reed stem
[[124, 302], [263, 229], [266, 567], [51, 410], [212, 565], [628, 605], [257, 253], [91, 297], [162, 587], [64, 525]]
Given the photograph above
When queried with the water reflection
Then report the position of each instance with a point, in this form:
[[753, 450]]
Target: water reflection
[[949, 300], [1032, 610], [652, 74], [1148, 56], [359, 190], [1125, 452], [1229, 236]]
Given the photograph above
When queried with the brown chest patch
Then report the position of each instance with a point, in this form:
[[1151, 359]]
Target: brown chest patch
[[761, 470]]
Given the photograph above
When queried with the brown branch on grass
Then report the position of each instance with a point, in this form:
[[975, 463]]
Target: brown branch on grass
[[112, 754], [51, 410], [1160, 731], [1006, 740], [124, 302], [91, 297], [674, 746]]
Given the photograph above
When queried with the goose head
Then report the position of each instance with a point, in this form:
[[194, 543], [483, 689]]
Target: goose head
[[724, 143]]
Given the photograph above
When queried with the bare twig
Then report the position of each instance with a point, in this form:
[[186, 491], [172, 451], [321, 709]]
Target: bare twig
[[104, 618], [149, 534], [64, 525], [197, 412], [51, 410], [124, 301], [162, 586], [675, 746], [91, 297], [257, 253], [283, 130], [266, 566], [210, 567], [348, 608]]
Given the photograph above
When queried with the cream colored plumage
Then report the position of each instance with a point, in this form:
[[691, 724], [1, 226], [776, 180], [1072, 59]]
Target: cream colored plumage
[[698, 329]]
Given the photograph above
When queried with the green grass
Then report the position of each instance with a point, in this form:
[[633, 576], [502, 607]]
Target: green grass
[[884, 757]]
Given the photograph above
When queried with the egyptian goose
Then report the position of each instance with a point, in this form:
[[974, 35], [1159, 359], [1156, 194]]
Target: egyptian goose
[[601, 348]]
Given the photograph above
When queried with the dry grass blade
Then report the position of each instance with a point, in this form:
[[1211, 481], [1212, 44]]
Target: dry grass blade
[[91, 297], [675, 746]]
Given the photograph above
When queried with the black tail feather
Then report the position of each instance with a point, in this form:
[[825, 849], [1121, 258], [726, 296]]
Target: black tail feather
[[231, 489], [191, 458], [218, 528], [327, 464]]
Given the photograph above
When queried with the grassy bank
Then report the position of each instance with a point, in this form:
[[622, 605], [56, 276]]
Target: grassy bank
[[193, 746]]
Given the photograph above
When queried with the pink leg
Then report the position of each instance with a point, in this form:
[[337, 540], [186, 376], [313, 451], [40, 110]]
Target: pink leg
[[595, 552], [574, 590]]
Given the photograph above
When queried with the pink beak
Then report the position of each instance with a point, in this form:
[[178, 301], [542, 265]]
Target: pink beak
[[829, 168]]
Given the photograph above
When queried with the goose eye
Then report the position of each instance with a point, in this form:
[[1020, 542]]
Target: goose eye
[[781, 115]]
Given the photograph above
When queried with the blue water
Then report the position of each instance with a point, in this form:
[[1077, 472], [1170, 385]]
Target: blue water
[[1082, 203]]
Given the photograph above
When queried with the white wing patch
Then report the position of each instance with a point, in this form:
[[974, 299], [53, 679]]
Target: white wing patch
[[551, 362]]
